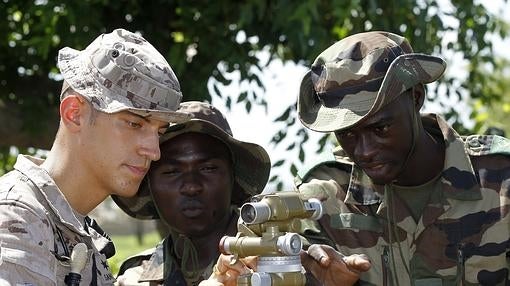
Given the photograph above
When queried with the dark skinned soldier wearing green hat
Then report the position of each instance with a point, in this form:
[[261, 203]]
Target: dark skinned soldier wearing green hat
[[428, 206], [203, 176]]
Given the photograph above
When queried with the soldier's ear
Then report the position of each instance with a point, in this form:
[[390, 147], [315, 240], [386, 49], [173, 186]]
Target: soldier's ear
[[72, 111], [419, 96]]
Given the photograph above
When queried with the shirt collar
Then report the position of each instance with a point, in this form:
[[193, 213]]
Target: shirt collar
[[30, 167], [154, 269], [458, 177]]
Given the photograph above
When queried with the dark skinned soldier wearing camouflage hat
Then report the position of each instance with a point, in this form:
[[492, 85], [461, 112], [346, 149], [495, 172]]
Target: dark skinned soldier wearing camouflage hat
[[427, 206], [203, 176], [119, 95]]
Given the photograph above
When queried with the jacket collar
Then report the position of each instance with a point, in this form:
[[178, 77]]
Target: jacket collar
[[30, 167], [154, 269]]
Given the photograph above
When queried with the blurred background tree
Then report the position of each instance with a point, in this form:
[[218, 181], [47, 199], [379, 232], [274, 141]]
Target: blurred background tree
[[206, 40], [492, 116]]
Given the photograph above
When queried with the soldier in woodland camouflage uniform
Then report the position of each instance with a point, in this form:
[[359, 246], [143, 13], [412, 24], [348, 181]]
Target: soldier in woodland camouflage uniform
[[203, 176], [428, 206], [118, 95]]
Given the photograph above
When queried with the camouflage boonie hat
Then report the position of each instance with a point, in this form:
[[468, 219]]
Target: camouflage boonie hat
[[122, 71], [357, 76], [251, 163]]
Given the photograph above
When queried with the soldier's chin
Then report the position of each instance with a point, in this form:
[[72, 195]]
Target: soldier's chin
[[381, 179]]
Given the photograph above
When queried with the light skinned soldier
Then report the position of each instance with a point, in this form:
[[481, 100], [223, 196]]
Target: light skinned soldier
[[203, 177], [428, 206], [119, 95]]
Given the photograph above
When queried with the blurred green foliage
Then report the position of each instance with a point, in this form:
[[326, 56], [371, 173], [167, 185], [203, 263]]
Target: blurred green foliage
[[128, 245], [494, 113], [203, 41]]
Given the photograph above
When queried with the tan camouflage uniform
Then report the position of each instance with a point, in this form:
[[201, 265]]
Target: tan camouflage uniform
[[118, 71], [462, 237], [39, 230]]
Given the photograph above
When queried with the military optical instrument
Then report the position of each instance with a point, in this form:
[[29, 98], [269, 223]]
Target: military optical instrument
[[268, 228]]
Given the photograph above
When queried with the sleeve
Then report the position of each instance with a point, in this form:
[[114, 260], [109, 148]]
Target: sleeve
[[328, 183], [130, 277], [26, 241]]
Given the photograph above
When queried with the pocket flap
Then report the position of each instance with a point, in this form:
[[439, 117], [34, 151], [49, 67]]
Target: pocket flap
[[355, 221]]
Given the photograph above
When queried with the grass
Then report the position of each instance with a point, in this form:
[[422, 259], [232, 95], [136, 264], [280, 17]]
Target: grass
[[127, 245]]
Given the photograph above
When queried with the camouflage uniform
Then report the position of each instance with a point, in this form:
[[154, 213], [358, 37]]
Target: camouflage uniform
[[40, 229], [118, 71], [148, 267], [462, 237], [251, 166]]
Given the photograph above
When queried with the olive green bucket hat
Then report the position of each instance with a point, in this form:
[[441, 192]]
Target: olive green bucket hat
[[357, 76], [251, 163]]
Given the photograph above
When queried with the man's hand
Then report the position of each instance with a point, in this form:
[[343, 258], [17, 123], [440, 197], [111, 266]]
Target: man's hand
[[225, 273], [331, 268]]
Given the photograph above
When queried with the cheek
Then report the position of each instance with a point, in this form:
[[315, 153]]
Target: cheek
[[163, 198], [221, 194]]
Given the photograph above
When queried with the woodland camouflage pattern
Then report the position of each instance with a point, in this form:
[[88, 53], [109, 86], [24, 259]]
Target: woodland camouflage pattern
[[357, 76], [38, 230], [462, 237]]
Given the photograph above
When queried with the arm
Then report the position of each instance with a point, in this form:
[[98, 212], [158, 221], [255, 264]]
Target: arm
[[26, 241]]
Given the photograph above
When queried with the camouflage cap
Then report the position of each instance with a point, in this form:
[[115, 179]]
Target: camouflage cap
[[122, 71], [251, 163], [357, 76]]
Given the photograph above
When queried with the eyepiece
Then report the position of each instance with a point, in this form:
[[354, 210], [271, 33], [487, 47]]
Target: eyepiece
[[253, 213]]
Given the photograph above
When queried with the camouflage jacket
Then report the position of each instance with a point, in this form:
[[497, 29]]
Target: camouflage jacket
[[38, 230], [148, 267], [462, 237]]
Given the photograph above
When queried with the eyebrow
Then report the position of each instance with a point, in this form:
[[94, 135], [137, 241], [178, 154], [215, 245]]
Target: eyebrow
[[147, 119], [381, 120], [201, 159]]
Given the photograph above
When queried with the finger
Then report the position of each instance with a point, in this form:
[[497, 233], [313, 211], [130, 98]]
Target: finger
[[310, 264], [210, 282], [222, 262], [357, 262], [320, 253], [250, 262], [239, 267], [229, 278]]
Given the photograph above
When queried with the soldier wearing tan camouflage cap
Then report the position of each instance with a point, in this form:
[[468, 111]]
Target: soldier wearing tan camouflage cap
[[119, 95], [203, 177], [427, 206]]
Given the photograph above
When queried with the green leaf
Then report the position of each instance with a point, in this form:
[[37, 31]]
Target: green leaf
[[301, 154], [293, 170], [278, 163], [242, 96]]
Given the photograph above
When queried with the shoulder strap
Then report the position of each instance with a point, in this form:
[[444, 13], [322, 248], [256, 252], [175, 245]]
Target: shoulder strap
[[479, 145]]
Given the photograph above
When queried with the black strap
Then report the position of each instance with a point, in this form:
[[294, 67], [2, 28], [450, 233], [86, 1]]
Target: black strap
[[109, 249], [93, 281]]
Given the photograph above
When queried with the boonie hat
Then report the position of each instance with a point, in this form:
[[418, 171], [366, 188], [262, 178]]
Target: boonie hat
[[122, 71], [357, 76], [251, 163]]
